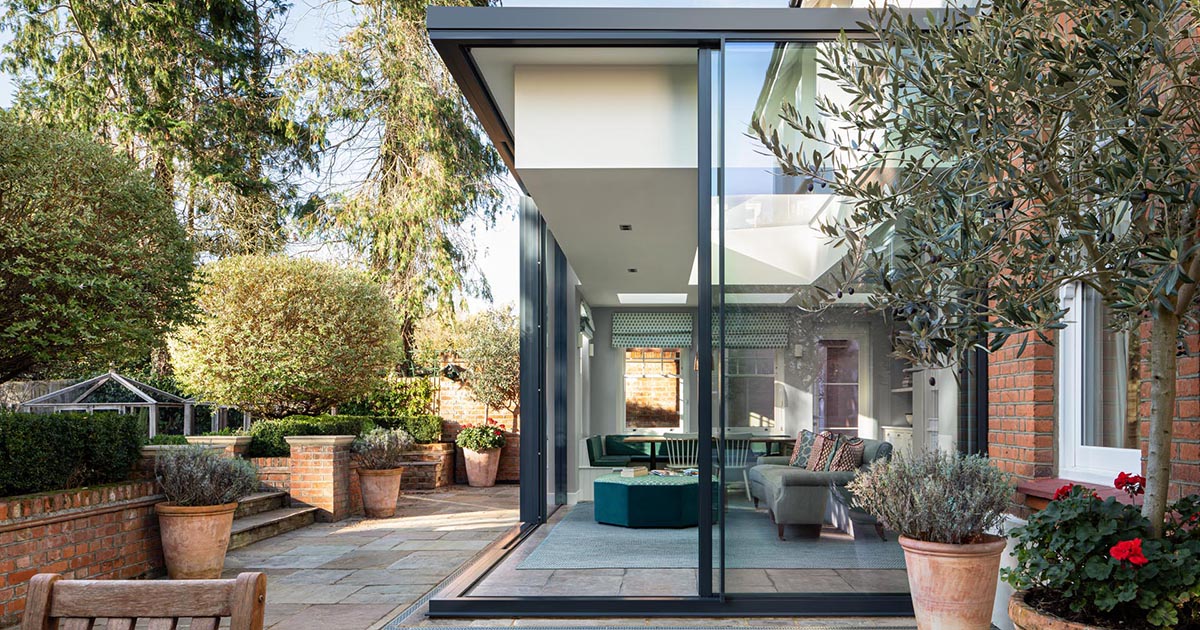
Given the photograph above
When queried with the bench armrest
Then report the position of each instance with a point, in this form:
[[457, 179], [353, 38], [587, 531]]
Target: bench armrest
[[774, 460]]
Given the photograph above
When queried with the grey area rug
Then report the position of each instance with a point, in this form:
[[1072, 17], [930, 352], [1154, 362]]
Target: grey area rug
[[579, 542]]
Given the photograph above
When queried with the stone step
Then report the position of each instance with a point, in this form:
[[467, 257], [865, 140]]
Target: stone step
[[260, 502], [251, 529]]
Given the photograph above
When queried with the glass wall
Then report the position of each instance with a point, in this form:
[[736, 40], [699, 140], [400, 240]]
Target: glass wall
[[809, 394]]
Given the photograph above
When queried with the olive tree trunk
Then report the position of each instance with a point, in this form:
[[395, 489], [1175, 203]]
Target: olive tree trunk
[[1163, 332]]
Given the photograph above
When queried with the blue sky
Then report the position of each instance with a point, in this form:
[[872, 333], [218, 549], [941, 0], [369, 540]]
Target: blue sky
[[314, 25]]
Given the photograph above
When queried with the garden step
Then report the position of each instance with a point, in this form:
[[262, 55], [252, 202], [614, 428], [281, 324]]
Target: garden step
[[251, 529], [261, 502]]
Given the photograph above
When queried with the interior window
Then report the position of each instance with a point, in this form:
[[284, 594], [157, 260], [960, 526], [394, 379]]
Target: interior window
[[652, 388], [1104, 366], [750, 399]]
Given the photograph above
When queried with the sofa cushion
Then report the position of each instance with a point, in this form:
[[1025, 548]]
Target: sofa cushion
[[825, 445], [849, 454], [802, 449], [785, 476]]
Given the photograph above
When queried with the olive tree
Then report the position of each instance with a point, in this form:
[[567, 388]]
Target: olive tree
[[1008, 152], [278, 336], [93, 262], [489, 345]]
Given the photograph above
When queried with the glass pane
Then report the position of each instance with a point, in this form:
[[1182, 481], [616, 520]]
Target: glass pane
[[791, 369], [1105, 366]]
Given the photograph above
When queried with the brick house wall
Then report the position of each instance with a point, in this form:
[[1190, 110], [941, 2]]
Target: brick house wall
[[106, 532], [1022, 422]]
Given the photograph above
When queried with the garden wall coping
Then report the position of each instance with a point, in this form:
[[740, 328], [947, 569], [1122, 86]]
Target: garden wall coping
[[319, 440]]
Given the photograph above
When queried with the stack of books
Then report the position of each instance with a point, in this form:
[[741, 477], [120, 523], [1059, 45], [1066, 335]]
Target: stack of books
[[635, 471]]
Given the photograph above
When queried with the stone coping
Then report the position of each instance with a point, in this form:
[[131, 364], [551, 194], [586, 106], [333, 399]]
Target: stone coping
[[151, 450], [319, 440], [223, 440]]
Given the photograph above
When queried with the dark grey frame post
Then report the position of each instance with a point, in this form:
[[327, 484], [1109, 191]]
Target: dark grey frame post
[[533, 363], [561, 337], [704, 110]]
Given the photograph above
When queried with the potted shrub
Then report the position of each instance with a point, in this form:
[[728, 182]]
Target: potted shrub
[[945, 508], [380, 454], [481, 444], [202, 490], [1087, 563]]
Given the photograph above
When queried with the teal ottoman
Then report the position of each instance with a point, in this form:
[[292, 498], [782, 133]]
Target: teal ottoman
[[647, 501]]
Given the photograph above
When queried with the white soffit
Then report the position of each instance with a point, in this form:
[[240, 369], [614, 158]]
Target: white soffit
[[652, 299], [496, 65]]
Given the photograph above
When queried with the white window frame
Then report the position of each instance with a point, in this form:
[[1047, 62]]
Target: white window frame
[[779, 396], [1076, 460], [685, 416]]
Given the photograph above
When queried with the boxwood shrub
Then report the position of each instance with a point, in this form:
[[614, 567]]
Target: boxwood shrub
[[267, 436], [41, 452]]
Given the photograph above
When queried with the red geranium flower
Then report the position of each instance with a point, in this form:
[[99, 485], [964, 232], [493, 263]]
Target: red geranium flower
[[1133, 485], [1129, 550], [1065, 492]]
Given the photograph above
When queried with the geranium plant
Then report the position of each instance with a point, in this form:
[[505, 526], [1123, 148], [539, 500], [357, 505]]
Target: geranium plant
[[1094, 561], [481, 437]]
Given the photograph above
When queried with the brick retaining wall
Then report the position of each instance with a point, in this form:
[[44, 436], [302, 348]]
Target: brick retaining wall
[[274, 473], [102, 532]]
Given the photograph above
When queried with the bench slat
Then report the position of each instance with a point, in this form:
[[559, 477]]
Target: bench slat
[[204, 623], [161, 623], [150, 599], [123, 623], [76, 623]]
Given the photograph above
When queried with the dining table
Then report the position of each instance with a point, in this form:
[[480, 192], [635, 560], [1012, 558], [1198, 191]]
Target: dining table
[[776, 441]]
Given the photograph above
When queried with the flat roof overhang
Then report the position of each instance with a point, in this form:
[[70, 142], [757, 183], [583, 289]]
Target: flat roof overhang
[[455, 30]]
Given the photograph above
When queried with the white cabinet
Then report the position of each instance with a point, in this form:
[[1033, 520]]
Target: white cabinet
[[900, 437]]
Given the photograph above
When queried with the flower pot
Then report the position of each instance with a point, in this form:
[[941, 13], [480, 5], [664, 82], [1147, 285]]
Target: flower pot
[[953, 586], [380, 489], [1026, 617], [482, 467], [194, 539]]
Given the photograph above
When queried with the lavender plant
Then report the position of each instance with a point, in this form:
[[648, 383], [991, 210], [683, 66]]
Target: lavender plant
[[935, 497], [198, 475], [382, 449]]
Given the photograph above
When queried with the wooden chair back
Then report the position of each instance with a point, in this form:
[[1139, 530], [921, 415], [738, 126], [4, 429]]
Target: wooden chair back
[[682, 450], [53, 603]]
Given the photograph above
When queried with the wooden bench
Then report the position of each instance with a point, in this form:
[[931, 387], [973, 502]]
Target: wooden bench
[[53, 603]]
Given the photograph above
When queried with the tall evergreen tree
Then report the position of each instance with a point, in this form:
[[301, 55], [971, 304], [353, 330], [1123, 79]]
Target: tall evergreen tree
[[385, 101], [184, 87]]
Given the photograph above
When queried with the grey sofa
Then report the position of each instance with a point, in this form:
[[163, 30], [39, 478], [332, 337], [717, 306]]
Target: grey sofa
[[799, 497]]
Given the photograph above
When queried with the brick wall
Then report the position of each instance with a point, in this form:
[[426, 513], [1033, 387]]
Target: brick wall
[[274, 473], [1021, 411], [456, 405], [510, 455], [106, 532], [1022, 429], [321, 474], [1185, 448]]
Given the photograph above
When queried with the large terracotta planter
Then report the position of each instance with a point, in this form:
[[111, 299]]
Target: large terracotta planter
[[380, 489], [953, 586], [1026, 617], [194, 539], [482, 467]]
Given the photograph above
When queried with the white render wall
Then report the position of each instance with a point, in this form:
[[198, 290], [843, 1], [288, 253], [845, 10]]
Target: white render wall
[[570, 117]]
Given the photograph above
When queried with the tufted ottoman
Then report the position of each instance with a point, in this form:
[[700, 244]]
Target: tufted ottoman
[[647, 501]]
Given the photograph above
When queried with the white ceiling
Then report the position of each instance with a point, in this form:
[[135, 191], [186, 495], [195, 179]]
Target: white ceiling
[[584, 209]]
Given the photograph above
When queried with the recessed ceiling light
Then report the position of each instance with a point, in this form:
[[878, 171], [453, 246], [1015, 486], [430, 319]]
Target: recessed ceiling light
[[652, 298], [625, 227], [633, 270]]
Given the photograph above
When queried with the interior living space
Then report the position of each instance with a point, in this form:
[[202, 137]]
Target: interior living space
[[691, 414]]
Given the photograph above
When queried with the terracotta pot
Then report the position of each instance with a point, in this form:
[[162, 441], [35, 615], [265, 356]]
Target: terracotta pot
[[482, 467], [194, 539], [380, 489], [1026, 617], [953, 586]]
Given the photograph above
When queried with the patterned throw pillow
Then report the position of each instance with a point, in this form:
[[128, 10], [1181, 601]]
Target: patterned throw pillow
[[802, 449], [823, 449], [849, 455]]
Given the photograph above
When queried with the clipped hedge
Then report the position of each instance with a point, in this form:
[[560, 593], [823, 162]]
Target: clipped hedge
[[41, 452], [267, 436]]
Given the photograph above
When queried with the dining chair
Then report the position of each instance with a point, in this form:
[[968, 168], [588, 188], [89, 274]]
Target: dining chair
[[736, 453], [682, 450]]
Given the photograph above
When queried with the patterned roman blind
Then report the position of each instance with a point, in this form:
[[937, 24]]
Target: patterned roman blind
[[754, 329], [651, 330]]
